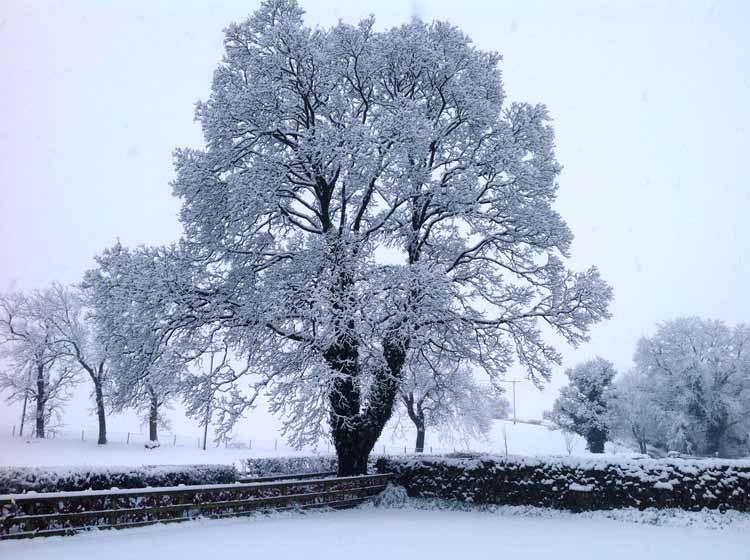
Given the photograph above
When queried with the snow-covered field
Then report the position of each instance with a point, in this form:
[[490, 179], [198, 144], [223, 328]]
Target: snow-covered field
[[56, 452], [372, 533], [522, 439]]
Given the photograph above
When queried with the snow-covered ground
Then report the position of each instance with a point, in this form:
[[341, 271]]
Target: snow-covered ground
[[372, 533], [521, 438], [57, 452]]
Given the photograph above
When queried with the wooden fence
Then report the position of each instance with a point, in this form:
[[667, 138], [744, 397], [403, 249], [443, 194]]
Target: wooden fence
[[62, 513], [278, 477]]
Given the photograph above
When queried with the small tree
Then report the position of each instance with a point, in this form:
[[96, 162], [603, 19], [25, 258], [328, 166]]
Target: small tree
[[635, 414], [75, 337], [211, 394], [146, 372], [447, 396], [37, 370], [582, 406]]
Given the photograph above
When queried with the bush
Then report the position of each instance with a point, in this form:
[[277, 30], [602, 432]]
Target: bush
[[576, 484], [261, 466], [16, 480]]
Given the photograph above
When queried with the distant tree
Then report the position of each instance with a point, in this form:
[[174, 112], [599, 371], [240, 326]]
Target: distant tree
[[582, 406], [75, 337], [36, 369], [151, 393], [635, 414], [697, 371], [145, 372], [446, 396], [211, 394], [569, 438]]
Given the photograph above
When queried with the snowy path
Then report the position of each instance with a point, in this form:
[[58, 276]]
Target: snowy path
[[394, 534]]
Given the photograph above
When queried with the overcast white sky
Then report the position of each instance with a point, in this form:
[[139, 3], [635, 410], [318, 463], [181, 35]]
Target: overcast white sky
[[650, 102]]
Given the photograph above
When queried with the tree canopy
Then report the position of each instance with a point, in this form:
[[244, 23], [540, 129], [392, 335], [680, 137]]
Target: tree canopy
[[364, 196]]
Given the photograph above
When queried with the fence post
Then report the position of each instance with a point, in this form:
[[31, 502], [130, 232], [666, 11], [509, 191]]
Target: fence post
[[174, 441], [275, 445], [384, 450], [404, 450], [83, 436], [14, 431], [199, 442], [251, 445], [113, 512], [127, 441]]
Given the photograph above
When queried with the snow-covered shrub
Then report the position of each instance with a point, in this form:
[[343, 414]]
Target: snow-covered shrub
[[16, 480], [576, 483], [261, 466]]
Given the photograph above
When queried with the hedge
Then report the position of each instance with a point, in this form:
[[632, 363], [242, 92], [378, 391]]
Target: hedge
[[576, 484], [260, 466], [16, 480]]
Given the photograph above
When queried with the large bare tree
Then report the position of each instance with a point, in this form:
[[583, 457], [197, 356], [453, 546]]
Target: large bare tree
[[364, 195]]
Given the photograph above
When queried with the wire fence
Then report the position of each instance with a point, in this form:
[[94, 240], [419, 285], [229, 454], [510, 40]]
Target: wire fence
[[254, 446]]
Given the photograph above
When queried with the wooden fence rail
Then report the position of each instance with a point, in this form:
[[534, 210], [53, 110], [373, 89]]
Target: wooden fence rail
[[62, 513], [275, 477]]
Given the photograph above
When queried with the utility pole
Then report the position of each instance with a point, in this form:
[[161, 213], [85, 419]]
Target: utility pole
[[513, 381], [208, 404]]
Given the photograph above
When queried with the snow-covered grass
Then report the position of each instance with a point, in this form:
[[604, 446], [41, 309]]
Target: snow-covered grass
[[19, 452], [407, 533], [521, 439]]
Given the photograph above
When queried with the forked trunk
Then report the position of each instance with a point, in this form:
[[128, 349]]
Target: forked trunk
[[354, 430]]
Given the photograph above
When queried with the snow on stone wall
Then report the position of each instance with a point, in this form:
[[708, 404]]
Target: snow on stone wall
[[576, 483]]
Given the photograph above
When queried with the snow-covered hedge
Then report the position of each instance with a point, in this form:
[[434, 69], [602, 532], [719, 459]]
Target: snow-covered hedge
[[260, 466], [16, 480], [576, 484]]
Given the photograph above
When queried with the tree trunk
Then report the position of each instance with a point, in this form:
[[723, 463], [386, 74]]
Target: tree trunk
[[41, 396], [102, 439], [419, 448], [352, 457], [355, 431], [595, 440], [715, 436], [206, 420], [153, 416], [416, 414]]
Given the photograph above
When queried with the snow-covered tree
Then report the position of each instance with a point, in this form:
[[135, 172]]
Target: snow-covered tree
[[697, 372], [583, 404], [35, 369], [126, 312], [363, 196], [446, 396], [211, 394], [635, 414], [75, 337]]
